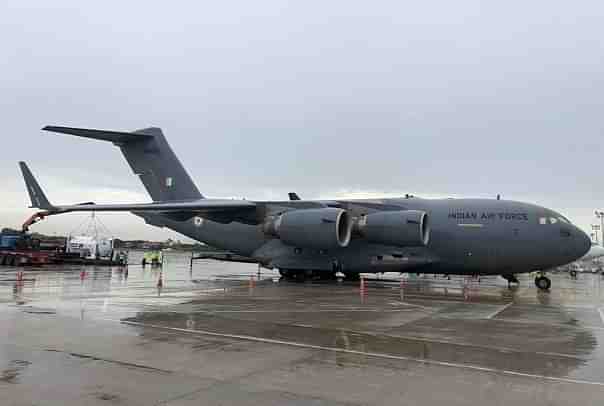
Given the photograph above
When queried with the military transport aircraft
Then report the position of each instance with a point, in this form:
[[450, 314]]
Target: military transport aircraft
[[304, 238]]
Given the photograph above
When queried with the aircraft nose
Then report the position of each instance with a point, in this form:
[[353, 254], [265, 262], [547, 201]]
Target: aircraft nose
[[582, 242]]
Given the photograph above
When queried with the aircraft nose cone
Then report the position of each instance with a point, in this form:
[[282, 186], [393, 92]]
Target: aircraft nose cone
[[582, 242]]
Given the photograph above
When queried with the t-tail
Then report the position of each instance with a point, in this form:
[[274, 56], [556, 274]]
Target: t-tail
[[150, 157]]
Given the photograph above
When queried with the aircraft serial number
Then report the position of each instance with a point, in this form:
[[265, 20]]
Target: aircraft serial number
[[472, 215]]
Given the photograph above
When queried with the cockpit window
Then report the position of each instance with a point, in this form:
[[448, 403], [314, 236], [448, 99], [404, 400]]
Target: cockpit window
[[553, 220]]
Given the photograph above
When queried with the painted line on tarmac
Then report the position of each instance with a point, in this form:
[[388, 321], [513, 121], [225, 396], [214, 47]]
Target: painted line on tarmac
[[601, 311], [367, 354], [304, 311], [579, 327], [499, 310]]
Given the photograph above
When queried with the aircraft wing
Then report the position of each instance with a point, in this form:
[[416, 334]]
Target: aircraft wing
[[175, 210], [223, 210], [203, 205]]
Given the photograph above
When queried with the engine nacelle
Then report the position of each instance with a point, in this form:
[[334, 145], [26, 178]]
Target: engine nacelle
[[312, 228], [406, 228]]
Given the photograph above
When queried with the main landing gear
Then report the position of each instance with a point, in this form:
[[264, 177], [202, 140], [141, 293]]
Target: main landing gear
[[301, 275], [543, 282]]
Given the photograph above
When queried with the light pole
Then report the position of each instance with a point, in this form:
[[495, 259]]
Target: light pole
[[600, 215], [595, 228]]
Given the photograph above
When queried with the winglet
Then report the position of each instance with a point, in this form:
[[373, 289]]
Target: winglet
[[36, 194]]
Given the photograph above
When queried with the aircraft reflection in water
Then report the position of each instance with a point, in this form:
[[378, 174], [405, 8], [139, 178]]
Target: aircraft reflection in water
[[304, 238], [349, 347]]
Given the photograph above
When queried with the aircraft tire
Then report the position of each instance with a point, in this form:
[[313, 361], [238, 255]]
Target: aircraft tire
[[543, 283], [326, 275], [2, 260], [573, 274], [352, 276], [287, 273], [293, 275]]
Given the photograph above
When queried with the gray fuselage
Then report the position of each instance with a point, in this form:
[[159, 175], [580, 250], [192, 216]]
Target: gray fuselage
[[468, 236]]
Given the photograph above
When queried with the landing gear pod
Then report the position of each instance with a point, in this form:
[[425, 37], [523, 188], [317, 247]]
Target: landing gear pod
[[406, 228], [312, 228]]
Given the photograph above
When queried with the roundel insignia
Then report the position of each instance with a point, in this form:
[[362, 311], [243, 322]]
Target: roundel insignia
[[198, 221]]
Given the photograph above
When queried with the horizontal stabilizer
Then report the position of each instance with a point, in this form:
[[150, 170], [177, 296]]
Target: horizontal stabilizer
[[116, 137]]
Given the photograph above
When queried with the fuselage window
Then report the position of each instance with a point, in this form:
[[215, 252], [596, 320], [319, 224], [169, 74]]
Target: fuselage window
[[565, 233]]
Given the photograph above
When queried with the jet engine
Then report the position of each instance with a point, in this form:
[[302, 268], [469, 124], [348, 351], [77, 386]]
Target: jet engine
[[312, 228], [407, 228]]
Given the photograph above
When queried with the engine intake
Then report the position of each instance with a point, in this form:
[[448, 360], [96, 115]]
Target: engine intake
[[407, 228], [312, 228]]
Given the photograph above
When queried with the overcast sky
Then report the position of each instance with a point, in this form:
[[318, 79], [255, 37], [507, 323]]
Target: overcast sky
[[325, 98]]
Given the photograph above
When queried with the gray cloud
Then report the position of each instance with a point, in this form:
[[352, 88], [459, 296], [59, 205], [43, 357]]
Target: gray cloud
[[259, 98]]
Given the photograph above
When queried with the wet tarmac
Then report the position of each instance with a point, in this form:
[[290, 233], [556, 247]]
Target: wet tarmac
[[222, 334]]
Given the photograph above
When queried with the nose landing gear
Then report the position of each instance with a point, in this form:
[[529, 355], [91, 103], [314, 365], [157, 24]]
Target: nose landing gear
[[543, 282], [511, 278]]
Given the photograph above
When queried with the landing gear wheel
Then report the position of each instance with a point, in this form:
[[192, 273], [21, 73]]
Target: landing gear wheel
[[543, 282], [287, 273], [327, 276], [573, 274], [511, 278], [352, 276]]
